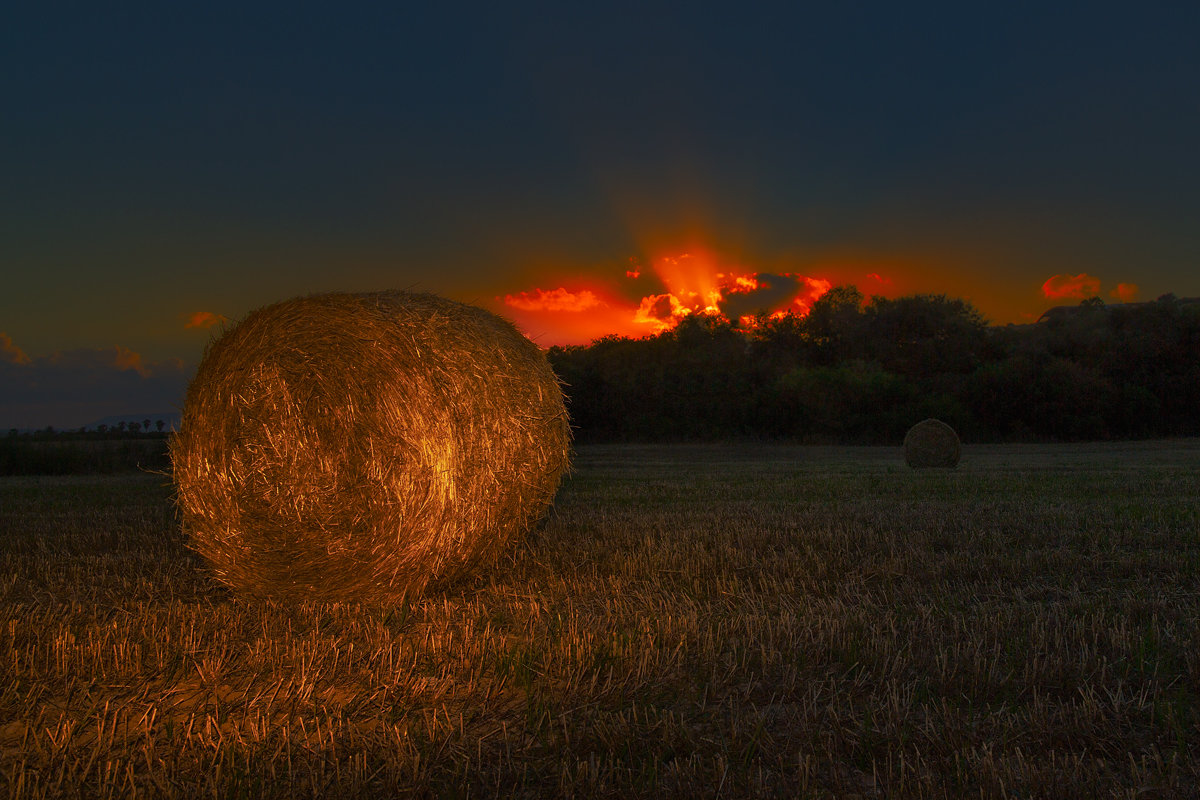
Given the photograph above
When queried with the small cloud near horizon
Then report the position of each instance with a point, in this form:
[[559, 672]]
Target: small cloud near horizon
[[1080, 287], [128, 359], [205, 319], [10, 353], [69, 388]]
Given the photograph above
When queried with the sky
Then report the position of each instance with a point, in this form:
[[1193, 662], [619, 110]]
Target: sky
[[167, 168]]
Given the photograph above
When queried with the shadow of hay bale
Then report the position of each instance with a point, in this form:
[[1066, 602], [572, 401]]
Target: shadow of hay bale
[[931, 443], [364, 447]]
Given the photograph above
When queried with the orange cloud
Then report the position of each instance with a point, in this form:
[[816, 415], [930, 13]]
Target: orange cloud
[[205, 319], [124, 359], [1081, 286], [1125, 292], [660, 311], [115, 358], [10, 353], [742, 284], [814, 288], [553, 300]]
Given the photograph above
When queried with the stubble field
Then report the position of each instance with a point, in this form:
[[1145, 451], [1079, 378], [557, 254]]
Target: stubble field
[[693, 621]]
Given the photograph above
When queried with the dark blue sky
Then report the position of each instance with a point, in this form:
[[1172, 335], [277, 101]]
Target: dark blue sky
[[161, 161]]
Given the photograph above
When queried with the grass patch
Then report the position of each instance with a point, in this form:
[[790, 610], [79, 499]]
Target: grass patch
[[699, 621]]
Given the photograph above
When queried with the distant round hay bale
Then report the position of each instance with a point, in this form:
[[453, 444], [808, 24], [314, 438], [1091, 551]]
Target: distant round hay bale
[[364, 447], [931, 443]]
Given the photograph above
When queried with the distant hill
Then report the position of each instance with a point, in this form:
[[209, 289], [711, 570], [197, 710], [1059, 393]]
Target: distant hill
[[1065, 312]]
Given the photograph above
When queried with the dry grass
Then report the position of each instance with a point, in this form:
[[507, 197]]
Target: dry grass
[[359, 447], [693, 622]]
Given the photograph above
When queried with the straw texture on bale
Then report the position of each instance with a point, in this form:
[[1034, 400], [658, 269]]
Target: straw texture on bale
[[931, 443], [364, 447]]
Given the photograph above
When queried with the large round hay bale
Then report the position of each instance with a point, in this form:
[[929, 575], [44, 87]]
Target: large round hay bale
[[364, 447], [931, 443]]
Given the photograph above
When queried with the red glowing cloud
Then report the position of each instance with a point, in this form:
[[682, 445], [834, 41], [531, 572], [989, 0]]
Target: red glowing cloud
[[564, 316], [814, 288], [742, 284], [205, 319], [660, 311], [553, 300], [1125, 292], [1080, 287], [672, 288]]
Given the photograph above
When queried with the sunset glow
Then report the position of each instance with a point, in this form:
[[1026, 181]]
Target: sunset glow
[[652, 299], [648, 296]]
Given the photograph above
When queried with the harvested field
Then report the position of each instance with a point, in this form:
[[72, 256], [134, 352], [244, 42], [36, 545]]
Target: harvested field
[[710, 621]]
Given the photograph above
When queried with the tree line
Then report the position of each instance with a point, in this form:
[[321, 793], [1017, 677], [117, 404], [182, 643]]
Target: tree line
[[863, 371], [103, 449]]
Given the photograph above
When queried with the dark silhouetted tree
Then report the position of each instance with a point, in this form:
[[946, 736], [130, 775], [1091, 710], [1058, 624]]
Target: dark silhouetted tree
[[833, 326], [924, 336], [865, 373]]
